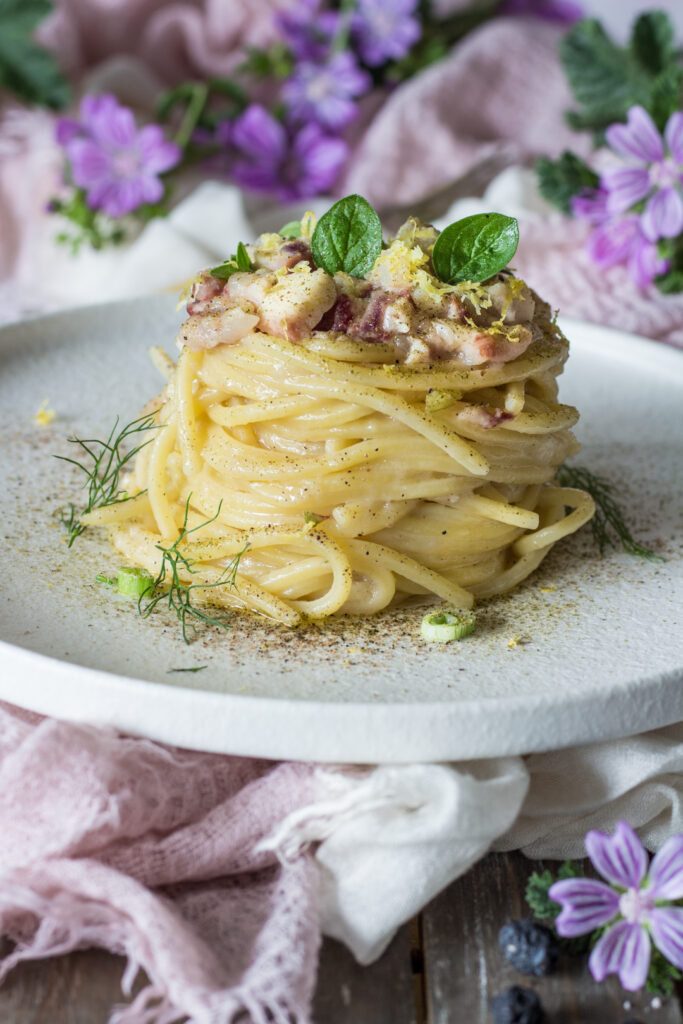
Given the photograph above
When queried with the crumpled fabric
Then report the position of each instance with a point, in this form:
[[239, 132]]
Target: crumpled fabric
[[217, 874]]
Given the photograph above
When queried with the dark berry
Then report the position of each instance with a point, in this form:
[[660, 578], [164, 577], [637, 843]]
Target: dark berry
[[529, 947], [517, 1005]]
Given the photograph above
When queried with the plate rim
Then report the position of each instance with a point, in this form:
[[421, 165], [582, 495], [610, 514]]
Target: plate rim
[[37, 669]]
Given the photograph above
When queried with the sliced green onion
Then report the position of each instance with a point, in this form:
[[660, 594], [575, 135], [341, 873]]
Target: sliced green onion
[[449, 624], [133, 582], [436, 400], [103, 578]]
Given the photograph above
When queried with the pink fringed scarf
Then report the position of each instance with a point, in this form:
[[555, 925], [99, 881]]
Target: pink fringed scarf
[[152, 853]]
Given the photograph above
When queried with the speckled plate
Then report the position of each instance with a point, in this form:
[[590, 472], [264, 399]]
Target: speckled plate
[[588, 648]]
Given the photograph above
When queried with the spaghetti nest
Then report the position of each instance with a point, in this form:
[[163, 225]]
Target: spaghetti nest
[[348, 480]]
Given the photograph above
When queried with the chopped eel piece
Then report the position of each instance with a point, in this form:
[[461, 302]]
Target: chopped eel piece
[[224, 327]]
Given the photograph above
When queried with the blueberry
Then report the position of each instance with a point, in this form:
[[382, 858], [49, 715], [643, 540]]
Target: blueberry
[[517, 1006], [529, 947]]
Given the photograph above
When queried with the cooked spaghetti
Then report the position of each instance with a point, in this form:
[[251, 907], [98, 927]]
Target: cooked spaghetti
[[358, 441]]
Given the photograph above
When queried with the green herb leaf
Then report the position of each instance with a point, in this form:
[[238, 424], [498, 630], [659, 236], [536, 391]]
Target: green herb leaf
[[194, 668], [560, 180], [670, 283], [242, 258], [662, 976], [178, 595], [239, 261], [348, 237], [475, 248], [292, 229], [604, 78], [536, 895], [608, 518], [665, 94], [652, 41], [26, 69], [105, 462]]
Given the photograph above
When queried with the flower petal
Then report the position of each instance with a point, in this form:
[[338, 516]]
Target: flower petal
[[613, 242], [637, 138], [624, 950], [644, 263], [666, 870], [259, 135], [114, 127], [666, 925], [673, 133], [620, 858], [663, 215], [89, 163], [626, 186], [156, 153], [590, 205], [586, 905]]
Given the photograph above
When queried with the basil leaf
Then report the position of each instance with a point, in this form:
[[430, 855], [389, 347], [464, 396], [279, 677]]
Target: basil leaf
[[292, 229], [238, 261], [475, 248], [242, 258], [560, 180], [348, 237]]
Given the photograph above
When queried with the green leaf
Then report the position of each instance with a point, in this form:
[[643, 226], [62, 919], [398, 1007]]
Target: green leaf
[[242, 258], [662, 976], [537, 895], [604, 78], [239, 261], [568, 869], [560, 180], [292, 229], [475, 248], [608, 525], [665, 94], [653, 42], [670, 283], [348, 237], [26, 69]]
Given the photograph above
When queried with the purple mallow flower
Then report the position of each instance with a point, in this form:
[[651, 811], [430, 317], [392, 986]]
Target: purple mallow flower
[[307, 30], [117, 164], [290, 162], [634, 906], [618, 239], [655, 175], [385, 30], [324, 92]]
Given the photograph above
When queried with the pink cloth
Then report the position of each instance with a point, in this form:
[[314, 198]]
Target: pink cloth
[[194, 39], [150, 852]]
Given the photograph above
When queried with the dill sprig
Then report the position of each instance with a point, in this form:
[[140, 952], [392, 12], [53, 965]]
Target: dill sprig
[[608, 519], [178, 595], [105, 461]]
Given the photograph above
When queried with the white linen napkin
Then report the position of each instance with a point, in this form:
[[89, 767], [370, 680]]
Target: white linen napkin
[[390, 838]]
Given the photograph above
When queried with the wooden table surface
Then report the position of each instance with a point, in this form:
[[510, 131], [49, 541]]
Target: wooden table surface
[[442, 968]]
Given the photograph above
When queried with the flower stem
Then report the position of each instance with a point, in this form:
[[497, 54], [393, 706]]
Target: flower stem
[[193, 111]]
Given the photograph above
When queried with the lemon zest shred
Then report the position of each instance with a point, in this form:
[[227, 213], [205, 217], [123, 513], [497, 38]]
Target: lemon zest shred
[[45, 415]]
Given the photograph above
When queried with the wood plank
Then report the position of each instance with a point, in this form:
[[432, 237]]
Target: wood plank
[[80, 988], [464, 967], [381, 993]]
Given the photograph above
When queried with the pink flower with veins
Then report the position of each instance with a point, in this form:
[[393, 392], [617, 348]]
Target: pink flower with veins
[[634, 906], [656, 177]]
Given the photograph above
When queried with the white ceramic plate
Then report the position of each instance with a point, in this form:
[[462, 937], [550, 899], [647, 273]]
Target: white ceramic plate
[[588, 648]]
